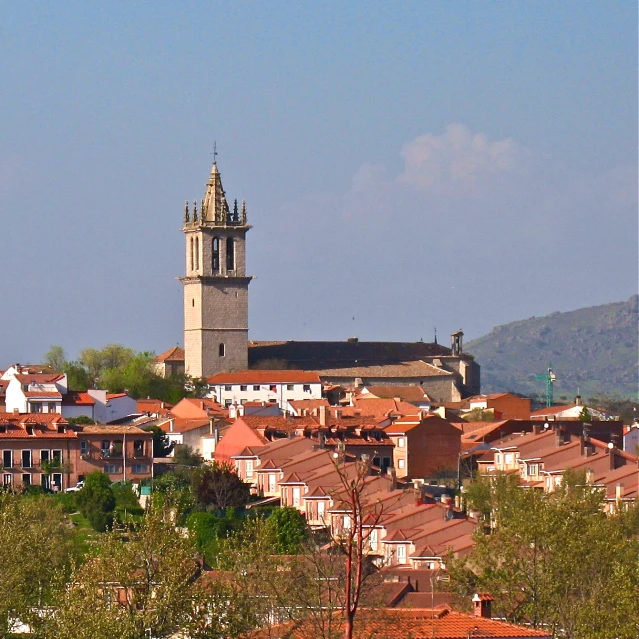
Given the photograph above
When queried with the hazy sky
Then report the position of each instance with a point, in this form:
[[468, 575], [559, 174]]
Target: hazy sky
[[405, 164]]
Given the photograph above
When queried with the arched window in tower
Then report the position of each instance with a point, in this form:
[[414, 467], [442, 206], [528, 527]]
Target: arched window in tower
[[191, 251], [197, 253], [216, 254], [222, 350], [230, 254]]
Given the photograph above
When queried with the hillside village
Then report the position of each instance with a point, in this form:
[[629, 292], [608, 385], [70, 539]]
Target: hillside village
[[378, 446]]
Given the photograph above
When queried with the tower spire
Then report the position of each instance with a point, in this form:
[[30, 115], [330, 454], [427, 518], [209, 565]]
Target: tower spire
[[215, 208]]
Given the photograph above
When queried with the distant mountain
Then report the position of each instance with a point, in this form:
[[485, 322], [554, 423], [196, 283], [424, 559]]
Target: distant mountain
[[595, 349]]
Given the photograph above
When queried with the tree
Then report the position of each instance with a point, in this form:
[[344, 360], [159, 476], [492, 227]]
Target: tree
[[555, 559], [480, 415], [55, 359], [289, 530], [111, 356], [150, 583], [97, 501], [184, 455], [218, 486], [585, 415], [36, 552], [81, 420], [162, 445]]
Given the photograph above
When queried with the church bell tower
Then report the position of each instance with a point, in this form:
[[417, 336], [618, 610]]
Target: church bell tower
[[215, 284]]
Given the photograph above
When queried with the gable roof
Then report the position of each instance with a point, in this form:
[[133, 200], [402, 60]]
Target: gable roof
[[174, 354], [412, 393], [403, 369]]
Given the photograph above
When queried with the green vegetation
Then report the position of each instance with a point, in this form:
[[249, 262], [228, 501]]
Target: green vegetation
[[593, 349], [217, 487], [555, 560], [118, 369], [97, 501], [161, 444]]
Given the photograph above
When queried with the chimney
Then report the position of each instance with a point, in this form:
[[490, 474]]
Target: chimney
[[322, 440], [338, 413], [322, 415], [559, 436], [536, 429], [619, 492], [16, 411], [577, 400], [482, 605]]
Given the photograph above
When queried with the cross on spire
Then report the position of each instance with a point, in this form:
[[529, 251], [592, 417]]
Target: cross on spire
[[214, 152]]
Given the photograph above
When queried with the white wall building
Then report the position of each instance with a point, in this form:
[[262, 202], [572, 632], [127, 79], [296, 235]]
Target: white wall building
[[274, 387]]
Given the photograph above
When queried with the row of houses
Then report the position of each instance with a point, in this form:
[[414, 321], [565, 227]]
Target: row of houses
[[44, 449], [542, 456], [404, 525]]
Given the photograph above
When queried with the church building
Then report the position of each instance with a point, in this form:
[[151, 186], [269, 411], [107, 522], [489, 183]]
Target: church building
[[216, 320]]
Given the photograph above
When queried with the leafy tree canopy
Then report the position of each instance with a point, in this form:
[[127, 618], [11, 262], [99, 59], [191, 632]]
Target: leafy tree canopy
[[289, 530], [162, 446], [117, 369], [217, 486], [556, 560], [97, 501]]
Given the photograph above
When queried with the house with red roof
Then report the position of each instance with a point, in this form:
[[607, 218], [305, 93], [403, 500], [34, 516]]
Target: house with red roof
[[43, 449], [170, 363], [425, 445], [271, 386]]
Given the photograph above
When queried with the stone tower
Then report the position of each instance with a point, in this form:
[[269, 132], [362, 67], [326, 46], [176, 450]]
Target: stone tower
[[215, 284]]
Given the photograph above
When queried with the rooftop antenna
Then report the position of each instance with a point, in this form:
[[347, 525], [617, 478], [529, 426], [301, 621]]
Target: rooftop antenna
[[435, 341], [215, 152]]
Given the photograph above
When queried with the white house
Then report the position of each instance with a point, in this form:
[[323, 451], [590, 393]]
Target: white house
[[273, 387], [34, 392]]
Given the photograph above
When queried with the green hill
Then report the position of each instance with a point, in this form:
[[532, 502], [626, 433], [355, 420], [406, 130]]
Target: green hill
[[595, 349]]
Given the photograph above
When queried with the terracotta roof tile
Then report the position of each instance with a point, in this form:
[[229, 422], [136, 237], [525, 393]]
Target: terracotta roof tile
[[174, 354]]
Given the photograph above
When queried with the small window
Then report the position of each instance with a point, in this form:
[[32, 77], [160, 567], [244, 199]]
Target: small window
[[26, 459], [401, 463], [401, 554], [273, 388], [249, 468], [112, 469], [84, 447], [216, 254], [138, 469], [222, 350], [193, 302], [26, 479], [36, 408], [6, 479], [7, 458], [105, 445], [230, 254], [307, 388], [243, 388], [228, 388], [290, 387], [401, 442], [197, 253], [44, 456], [56, 456], [52, 407], [228, 402], [138, 448], [256, 387]]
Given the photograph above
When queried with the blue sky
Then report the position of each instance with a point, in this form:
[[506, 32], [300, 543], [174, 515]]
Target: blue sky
[[405, 164]]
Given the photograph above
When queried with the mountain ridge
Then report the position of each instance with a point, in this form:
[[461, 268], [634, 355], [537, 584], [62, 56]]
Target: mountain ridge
[[592, 349]]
